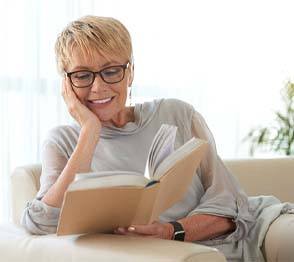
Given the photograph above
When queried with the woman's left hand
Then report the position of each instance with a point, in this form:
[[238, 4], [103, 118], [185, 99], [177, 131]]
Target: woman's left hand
[[154, 230]]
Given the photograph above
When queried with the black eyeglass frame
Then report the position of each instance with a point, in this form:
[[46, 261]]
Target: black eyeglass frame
[[124, 67]]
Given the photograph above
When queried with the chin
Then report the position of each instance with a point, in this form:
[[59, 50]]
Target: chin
[[108, 114], [104, 117]]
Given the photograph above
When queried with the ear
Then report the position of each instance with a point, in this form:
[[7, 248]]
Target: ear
[[131, 75]]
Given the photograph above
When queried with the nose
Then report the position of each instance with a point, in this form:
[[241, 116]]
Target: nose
[[98, 84]]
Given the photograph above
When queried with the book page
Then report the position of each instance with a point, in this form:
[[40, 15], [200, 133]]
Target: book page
[[107, 179], [161, 147], [154, 144], [80, 176], [175, 182], [176, 156], [165, 146]]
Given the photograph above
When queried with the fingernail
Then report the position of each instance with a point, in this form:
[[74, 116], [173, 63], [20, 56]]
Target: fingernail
[[120, 229], [131, 228]]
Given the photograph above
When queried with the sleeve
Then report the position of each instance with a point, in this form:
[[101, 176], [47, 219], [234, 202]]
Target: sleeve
[[39, 218], [223, 195]]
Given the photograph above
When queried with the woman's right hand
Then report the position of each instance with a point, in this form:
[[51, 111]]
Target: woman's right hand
[[80, 112], [81, 159]]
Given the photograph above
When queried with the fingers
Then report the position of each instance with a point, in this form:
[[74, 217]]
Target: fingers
[[138, 230], [123, 231], [77, 106], [63, 87], [70, 99], [68, 93], [154, 230], [151, 229], [67, 89]]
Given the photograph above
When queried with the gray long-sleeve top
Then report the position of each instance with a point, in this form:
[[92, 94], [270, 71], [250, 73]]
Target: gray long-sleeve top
[[213, 190]]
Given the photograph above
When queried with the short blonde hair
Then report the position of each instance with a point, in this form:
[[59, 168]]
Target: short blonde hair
[[104, 35]]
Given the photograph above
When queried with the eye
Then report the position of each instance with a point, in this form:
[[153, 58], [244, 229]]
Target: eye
[[108, 72], [82, 75]]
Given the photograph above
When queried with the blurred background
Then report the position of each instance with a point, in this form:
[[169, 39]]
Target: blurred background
[[229, 59]]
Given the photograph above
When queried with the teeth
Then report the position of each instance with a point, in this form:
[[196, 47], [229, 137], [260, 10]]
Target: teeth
[[101, 101]]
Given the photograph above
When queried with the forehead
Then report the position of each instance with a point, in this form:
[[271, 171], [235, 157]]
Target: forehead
[[93, 60]]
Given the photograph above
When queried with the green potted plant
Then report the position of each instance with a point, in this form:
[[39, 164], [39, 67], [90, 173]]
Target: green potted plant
[[279, 137]]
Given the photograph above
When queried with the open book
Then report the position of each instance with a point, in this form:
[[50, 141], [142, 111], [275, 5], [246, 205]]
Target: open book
[[104, 201]]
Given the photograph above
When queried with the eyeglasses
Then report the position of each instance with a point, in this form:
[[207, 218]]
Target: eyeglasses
[[110, 75]]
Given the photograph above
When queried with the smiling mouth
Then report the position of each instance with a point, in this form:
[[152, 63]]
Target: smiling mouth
[[101, 101]]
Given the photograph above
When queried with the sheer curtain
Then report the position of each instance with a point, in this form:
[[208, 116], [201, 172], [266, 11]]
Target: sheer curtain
[[228, 58]]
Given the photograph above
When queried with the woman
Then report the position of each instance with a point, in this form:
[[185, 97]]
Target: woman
[[94, 54]]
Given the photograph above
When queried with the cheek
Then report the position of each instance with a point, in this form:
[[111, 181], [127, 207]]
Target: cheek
[[124, 89], [121, 91], [123, 96], [81, 94]]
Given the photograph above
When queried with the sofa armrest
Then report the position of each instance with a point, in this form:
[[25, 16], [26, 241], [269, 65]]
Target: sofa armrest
[[278, 243], [25, 183], [17, 245]]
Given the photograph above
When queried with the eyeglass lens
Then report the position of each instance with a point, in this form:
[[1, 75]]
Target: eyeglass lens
[[86, 78]]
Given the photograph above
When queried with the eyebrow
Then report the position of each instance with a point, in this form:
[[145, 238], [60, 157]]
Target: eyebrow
[[87, 68]]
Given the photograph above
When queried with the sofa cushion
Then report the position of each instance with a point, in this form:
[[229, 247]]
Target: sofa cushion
[[17, 245]]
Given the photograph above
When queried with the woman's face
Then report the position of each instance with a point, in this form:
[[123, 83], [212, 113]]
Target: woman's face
[[106, 100]]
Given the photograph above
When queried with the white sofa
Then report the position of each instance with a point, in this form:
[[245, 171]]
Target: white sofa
[[257, 176]]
